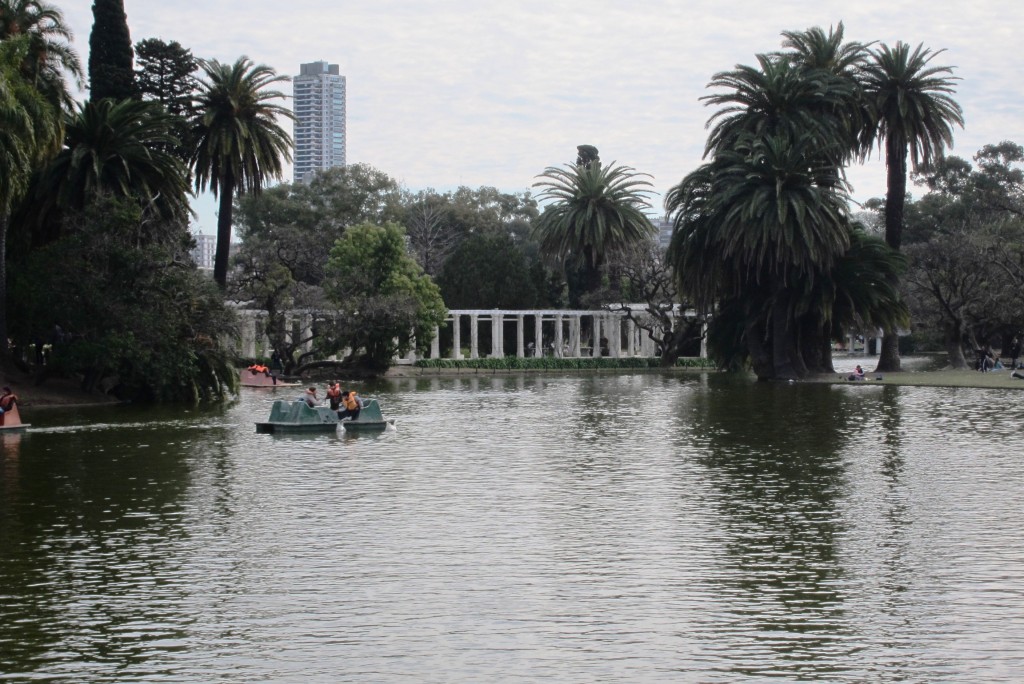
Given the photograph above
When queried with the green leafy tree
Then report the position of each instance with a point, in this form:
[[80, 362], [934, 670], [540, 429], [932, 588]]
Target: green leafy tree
[[913, 114], [594, 211], [285, 232], [110, 53], [385, 303], [239, 146], [142, 323]]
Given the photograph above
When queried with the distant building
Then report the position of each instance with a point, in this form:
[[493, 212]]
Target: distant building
[[205, 250], [664, 228], [319, 108]]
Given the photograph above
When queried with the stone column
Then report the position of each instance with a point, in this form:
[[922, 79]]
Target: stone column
[[306, 332], [474, 337], [497, 334], [538, 335], [520, 347], [575, 333], [595, 340], [456, 337], [615, 336], [630, 338], [557, 340], [435, 344], [248, 340]]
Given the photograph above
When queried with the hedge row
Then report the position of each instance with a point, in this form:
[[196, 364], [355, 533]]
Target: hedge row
[[553, 363]]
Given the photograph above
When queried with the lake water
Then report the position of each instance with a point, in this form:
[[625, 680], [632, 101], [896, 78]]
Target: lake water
[[598, 528]]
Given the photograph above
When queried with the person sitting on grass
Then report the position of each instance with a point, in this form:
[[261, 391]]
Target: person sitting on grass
[[857, 374]]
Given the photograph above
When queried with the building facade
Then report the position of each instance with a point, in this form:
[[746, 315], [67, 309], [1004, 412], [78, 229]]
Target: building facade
[[319, 129], [205, 250]]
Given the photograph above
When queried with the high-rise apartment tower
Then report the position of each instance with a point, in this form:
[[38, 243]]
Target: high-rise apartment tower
[[319, 107]]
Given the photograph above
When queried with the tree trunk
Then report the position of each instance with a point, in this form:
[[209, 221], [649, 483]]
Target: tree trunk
[[220, 260], [816, 346], [889, 356], [783, 339], [954, 343], [895, 199], [760, 356]]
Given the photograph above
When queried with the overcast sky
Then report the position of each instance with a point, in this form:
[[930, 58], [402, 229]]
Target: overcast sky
[[488, 92]]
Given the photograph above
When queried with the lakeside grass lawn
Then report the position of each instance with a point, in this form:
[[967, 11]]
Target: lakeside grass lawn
[[1000, 379]]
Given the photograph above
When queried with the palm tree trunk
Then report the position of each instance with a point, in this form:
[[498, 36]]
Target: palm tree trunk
[[783, 339], [895, 198], [760, 356], [220, 260]]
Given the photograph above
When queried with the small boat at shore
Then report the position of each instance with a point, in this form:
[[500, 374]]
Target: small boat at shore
[[251, 378], [10, 421], [297, 416]]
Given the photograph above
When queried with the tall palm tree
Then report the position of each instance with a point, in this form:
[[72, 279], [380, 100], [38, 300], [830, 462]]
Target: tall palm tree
[[239, 146], [35, 56], [834, 66], [594, 210], [913, 114], [49, 56], [30, 131], [118, 148], [775, 98], [767, 217]]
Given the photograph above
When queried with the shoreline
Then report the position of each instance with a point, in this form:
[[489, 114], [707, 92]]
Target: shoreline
[[64, 393]]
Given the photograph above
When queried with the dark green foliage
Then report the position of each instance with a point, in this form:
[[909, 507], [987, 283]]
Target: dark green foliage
[[165, 73], [488, 272], [110, 53], [141, 321]]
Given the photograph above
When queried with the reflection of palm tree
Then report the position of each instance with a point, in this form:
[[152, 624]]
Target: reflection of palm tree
[[239, 145], [772, 460], [595, 210], [913, 114]]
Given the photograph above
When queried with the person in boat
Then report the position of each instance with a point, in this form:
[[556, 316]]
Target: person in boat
[[7, 401], [334, 395], [257, 368], [310, 398], [352, 403]]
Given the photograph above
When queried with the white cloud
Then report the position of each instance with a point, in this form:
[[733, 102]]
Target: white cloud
[[490, 92]]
